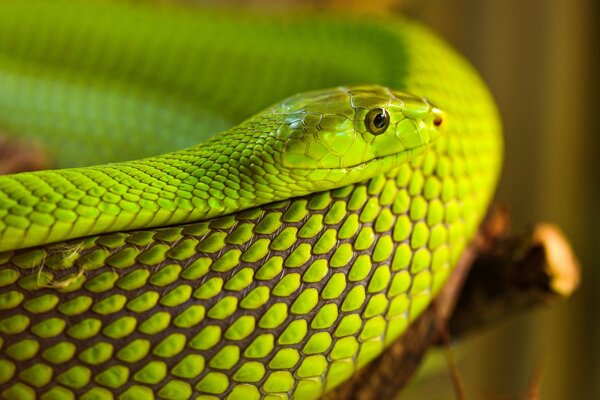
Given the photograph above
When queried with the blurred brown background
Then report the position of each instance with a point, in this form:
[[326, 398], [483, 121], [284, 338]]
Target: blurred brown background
[[539, 58]]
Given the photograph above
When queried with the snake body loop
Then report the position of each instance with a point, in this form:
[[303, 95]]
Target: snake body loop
[[271, 260]]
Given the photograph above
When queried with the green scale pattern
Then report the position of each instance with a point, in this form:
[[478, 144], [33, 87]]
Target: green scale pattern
[[287, 298], [281, 301]]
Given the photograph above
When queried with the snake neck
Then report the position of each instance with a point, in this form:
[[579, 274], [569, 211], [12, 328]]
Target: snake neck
[[228, 173]]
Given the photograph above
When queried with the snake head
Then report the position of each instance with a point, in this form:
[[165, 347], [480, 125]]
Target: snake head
[[350, 128]]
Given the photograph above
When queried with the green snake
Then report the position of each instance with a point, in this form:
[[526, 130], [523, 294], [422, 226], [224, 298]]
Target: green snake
[[271, 260]]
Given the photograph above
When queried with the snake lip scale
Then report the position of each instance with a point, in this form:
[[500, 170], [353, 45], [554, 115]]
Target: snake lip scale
[[270, 261]]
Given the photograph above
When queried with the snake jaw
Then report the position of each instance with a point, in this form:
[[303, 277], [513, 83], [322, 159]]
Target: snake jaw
[[324, 179]]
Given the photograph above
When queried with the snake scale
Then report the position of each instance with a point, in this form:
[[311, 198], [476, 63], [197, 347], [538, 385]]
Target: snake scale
[[271, 260]]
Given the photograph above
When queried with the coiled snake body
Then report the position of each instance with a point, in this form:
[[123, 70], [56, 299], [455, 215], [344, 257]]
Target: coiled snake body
[[269, 261]]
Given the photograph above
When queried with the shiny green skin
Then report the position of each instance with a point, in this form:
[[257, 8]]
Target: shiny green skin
[[283, 300], [308, 143]]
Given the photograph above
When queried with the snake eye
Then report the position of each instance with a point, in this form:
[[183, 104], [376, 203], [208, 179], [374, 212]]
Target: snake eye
[[377, 121]]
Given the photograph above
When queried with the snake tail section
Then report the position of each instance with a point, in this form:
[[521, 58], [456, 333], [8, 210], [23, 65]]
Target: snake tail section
[[281, 301]]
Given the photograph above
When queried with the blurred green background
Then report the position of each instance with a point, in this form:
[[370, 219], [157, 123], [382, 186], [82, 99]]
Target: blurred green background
[[539, 59]]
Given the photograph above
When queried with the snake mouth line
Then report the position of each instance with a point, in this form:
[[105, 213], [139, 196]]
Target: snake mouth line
[[405, 155]]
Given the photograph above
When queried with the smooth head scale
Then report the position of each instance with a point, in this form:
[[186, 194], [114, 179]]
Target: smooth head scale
[[346, 128], [333, 137]]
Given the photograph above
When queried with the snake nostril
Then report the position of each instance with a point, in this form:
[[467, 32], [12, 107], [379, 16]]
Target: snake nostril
[[438, 116]]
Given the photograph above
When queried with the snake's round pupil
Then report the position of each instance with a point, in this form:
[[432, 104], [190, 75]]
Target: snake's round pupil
[[377, 121]]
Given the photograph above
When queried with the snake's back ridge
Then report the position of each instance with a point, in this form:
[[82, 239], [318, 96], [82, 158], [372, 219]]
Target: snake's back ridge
[[283, 298]]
